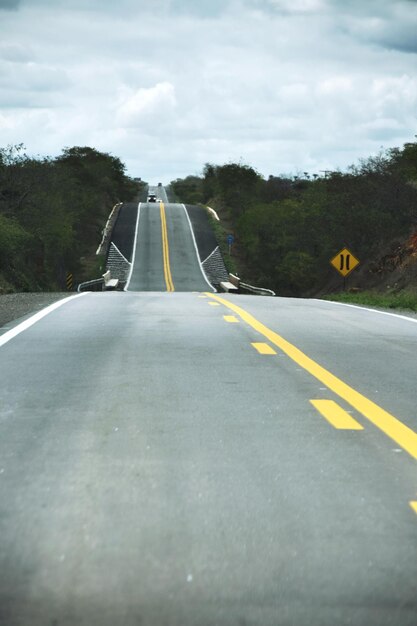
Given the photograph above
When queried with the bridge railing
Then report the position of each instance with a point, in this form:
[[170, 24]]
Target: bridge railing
[[91, 285]]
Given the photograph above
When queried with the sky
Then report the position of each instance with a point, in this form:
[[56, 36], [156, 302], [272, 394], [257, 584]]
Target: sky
[[286, 86]]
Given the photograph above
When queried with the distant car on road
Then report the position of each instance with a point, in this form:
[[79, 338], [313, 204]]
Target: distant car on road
[[152, 197], [159, 184]]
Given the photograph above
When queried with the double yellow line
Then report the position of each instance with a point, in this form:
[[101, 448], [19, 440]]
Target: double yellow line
[[165, 250]]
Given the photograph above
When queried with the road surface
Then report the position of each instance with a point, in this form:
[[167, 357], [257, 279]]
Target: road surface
[[175, 459], [165, 255]]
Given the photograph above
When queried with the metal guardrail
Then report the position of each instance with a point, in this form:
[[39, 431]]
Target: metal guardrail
[[259, 291], [91, 285], [107, 231], [98, 285], [213, 213]]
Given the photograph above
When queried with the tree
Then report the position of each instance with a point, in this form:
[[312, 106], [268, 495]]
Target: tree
[[53, 211]]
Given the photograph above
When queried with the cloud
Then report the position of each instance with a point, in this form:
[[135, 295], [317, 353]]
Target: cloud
[[30, 85], [9, 5], [202, 8], [152, 105], [287, 7], [16, 53], [167, 85], [391, 25], [6, 122], [159, 8]]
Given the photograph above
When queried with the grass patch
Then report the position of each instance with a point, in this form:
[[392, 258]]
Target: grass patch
[[221, 236], [171, 195], [403, 300], [91, 267]]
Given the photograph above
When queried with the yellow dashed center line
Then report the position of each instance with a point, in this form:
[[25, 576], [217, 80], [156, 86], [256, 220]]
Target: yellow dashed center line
[[337, 416], [413, 505], [231, 319], [387, 423], [263, 348], [165, 250]]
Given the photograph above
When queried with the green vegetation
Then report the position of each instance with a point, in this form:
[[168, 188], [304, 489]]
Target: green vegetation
[[52, 212], [288, 228], [403, 300], [221, 236]]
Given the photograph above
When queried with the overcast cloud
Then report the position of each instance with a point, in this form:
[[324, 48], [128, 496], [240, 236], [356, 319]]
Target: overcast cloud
[[168, 85]]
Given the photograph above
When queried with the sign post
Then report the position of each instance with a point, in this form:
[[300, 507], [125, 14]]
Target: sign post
[[230, 241]]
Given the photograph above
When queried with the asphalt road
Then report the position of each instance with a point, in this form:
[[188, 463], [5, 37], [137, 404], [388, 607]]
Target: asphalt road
[[159, 191], [165, 255], [157, 469]]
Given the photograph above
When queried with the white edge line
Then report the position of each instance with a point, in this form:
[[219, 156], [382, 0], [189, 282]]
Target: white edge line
[[196, 250], [210, 255], [363, 308], [134, 250], [10, 334]]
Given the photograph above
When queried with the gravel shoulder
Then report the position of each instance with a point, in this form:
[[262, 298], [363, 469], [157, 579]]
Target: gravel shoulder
[[16, 305]]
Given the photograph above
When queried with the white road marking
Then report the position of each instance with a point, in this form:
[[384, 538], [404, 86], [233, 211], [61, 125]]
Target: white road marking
[[363, 308], [10, 334], [210, 255], [196, 249], [134, 250]]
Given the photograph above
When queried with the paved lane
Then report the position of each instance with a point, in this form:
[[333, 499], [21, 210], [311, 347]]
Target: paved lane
[[187, 274], [148, 268], [158, 469], [160, 192], [166, 258]]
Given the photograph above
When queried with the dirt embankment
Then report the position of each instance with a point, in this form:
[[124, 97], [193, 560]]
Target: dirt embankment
[[16, 305], [393, 270], [397, 268]]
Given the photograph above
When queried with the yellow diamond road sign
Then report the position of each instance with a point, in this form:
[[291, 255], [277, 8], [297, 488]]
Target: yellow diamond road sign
[[344, 262]]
